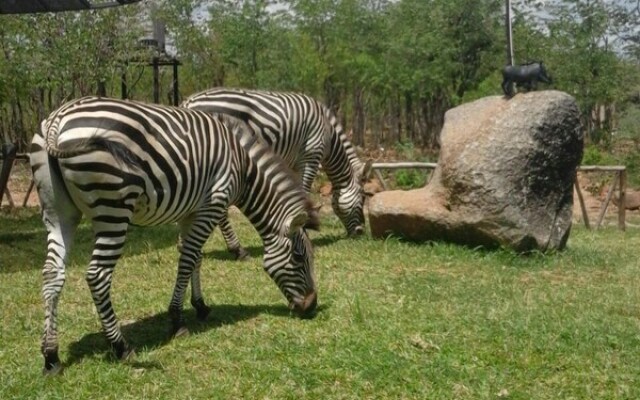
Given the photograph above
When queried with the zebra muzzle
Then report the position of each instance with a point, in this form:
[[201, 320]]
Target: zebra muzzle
[[357, 231], [305, 307]]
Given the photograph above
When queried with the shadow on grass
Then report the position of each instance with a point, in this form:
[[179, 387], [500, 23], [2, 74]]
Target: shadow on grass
[[25, 247], [258, 251], [153, 332]]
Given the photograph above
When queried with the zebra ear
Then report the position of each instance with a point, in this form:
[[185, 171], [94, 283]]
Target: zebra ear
[[296, 222]]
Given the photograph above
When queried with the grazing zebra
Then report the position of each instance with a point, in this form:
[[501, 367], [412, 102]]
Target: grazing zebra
[[124, 163], [305, 133]]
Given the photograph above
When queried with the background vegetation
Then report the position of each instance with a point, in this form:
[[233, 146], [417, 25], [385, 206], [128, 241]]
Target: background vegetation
[[396, 320], [389, 68]]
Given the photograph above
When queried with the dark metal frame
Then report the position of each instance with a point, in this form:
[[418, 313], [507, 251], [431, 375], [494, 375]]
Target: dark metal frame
[[38, 6], [156, 62]]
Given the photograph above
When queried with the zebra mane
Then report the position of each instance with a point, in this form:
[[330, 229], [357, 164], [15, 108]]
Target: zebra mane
[[251, 141], [256, 146], [358, 166]]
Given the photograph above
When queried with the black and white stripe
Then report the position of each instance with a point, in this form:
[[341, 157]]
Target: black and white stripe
[[124, 163], [305, 133]]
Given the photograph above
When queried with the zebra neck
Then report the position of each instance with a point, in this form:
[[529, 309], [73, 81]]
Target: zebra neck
[[340, 164], [269, 196]]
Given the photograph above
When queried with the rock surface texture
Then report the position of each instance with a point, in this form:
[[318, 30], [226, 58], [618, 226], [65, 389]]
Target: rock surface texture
[[504, 178]]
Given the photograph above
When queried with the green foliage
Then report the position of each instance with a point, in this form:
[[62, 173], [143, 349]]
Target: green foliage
[[396, 320], [405, 150], [593, 155], [629, 126], [410, 179], [390, 68], [631, 161]]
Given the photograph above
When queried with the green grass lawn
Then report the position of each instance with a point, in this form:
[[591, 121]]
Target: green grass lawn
[[396, 320]]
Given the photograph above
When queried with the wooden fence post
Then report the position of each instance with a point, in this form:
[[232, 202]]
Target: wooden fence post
[[622, 209], [583, 207], [8, 157]]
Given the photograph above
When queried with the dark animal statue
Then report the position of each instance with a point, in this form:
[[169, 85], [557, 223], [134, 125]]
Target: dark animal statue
[[524, 76]]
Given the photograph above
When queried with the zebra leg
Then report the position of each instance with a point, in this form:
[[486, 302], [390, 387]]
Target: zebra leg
[[194, 232], [231, 239], [202, 311], [109, 242], [197, 301], [61, 218], [59, 238]]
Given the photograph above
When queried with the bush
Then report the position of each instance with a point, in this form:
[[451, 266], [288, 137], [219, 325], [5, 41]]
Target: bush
[[632, 162], [410, 179], [595, 156]]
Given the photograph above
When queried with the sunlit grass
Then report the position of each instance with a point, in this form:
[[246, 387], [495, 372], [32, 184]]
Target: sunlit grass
[[396, 320]]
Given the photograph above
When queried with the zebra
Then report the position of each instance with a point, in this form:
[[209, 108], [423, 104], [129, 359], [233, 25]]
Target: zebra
[[305, 133], [122, 163]]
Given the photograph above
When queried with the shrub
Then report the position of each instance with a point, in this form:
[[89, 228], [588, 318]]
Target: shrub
[[593, 155], [410, 179]]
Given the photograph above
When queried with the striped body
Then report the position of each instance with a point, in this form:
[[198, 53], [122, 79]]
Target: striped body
[[305, 133], [124, 163]]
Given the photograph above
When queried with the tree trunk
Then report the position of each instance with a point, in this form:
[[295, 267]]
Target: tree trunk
[[395, 120], [408, 114], [358, 117]]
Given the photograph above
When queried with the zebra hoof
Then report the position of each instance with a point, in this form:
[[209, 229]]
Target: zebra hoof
[[128, 355], [202, 313], [180, 332], [202, 310], [241, 254], [52, 370], [52, 364], [123, 351]]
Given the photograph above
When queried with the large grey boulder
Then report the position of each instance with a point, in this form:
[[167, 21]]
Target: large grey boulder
[[504, 178]]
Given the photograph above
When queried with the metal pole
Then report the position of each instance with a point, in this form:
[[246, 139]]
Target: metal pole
[[156, 81], [509, 32], [175, 83], [123, 83]]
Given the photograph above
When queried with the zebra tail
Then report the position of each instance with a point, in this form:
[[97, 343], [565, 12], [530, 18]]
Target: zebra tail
[[73, 148]]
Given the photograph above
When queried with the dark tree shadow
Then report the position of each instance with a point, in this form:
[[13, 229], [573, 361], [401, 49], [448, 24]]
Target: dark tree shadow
[[28, 247], [14, 238]]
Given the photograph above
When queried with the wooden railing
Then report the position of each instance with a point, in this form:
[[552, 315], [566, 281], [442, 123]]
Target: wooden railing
[[8, 156], [376, 167], [619, 180]]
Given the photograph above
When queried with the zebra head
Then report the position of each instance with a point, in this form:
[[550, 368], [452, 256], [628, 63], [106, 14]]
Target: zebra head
[[294, 273], [348, 202], [304, 301]]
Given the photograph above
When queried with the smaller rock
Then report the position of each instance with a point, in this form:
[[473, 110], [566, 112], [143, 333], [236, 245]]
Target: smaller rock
[[372, 187], [631, 200]]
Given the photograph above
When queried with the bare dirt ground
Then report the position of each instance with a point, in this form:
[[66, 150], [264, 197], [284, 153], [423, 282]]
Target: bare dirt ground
[[18, 186], [594, 189]]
